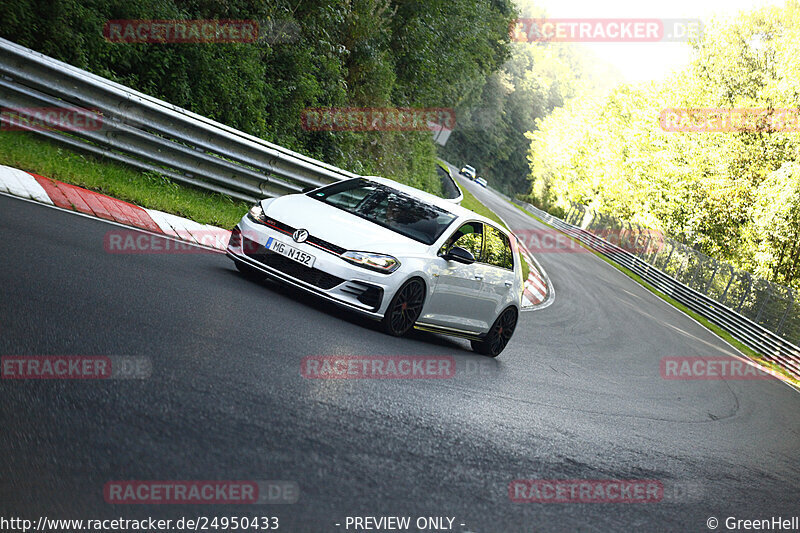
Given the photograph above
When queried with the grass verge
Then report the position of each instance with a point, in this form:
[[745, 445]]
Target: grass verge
[[720, 332], [27, 152], [473, 204]]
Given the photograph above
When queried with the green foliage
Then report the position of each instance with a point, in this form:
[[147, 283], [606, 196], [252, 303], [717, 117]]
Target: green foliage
[[731, 195], [536, 79], [337, 53], [775, 229]]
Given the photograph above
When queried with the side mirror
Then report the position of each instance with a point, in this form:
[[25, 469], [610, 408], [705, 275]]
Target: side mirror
[[459, 255], [308, 189]]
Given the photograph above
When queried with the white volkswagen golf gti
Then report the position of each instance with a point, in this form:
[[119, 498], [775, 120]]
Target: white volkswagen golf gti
[[391, 252]]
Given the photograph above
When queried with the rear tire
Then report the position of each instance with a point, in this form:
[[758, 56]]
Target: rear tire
[[249, 272], [405, 308], [499, 334]]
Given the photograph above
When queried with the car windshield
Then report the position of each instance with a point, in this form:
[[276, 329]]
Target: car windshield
[[387, 207]]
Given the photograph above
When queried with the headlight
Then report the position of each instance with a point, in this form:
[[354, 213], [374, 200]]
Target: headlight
[[379, 262], [257, 213]]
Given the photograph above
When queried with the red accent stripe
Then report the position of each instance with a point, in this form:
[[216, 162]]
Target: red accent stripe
[[275, 227]]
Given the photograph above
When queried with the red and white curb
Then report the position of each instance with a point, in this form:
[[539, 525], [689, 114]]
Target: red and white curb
[[47, 191], [535, 289], [538, 292]]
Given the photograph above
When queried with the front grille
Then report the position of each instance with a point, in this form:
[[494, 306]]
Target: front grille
[[314, 241], [325, 245], [312, 276]]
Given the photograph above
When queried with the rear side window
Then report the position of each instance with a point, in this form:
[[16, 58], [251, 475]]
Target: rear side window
[[469, 236], [497, 250]]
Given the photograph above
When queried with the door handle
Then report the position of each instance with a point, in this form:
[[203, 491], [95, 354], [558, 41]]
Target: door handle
[[508, 284], [478, 277]]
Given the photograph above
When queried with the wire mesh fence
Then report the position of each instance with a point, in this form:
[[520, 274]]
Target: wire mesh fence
[[768, 304]]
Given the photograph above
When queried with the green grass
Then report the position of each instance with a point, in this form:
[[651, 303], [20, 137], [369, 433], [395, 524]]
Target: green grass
[[473, 204], [723, 334], [28, 152]]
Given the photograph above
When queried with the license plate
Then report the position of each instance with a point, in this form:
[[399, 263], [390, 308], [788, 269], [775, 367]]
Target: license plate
[[291, 252]]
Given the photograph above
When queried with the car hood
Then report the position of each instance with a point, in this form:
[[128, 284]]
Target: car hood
[[339, 227]]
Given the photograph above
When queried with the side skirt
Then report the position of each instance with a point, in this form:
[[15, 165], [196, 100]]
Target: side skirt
[[448, 331]]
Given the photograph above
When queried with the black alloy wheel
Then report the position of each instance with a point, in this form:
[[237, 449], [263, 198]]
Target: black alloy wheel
[[498, 337], [405, 308]]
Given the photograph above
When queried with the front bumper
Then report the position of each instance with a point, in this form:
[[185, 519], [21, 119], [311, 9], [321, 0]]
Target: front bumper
[[331, 277]]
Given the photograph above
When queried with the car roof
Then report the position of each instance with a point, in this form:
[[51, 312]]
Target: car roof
[[460, 212]]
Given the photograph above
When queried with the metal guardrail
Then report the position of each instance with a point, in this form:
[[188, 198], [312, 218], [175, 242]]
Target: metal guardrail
[[153, 135], [772, 346]]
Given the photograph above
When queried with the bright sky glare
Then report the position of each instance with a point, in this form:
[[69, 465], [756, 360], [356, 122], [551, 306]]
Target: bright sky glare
[[647, 61]]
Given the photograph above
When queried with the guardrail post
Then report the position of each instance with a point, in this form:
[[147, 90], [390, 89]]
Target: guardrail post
[[764, 303], [679, 274], [698, 268], [728, 286], [568, 216], [643, 251], [649, 254], [786, 313], [671, 250], [710, 281], [749, 286]]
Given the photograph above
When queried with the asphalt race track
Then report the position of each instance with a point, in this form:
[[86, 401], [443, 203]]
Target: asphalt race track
[[577, 395]]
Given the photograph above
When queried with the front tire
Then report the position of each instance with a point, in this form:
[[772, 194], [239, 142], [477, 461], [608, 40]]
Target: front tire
[[405, 308], [499, 335]]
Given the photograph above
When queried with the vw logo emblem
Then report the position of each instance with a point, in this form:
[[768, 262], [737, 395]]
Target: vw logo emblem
[[300, 235]]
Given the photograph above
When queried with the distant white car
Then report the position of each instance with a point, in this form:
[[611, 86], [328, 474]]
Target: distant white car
[[482, 182], [467, 171], [390, 252]]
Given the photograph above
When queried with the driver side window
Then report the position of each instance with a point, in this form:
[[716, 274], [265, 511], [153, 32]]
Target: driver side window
[[469, 236]]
